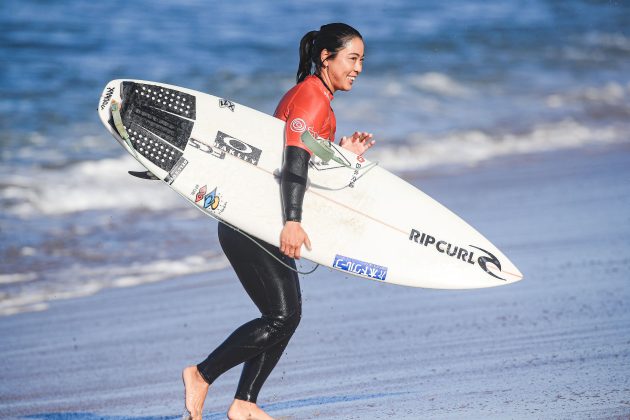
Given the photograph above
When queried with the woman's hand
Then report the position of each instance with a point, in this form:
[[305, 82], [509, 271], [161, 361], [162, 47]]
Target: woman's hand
[[291, 239], [358, 143]]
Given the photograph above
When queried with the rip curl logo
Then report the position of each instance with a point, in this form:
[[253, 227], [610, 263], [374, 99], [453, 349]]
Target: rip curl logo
[[108, 96], [482, 261], [457, 252], [237, 148], [298, 125]]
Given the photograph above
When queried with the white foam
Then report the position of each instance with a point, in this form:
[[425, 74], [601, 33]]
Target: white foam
[[471, 147], [611, 93], [608, 40], [83, 186], [17, 278], [77, 281], [90, 185], [28, 251], [439, 83]]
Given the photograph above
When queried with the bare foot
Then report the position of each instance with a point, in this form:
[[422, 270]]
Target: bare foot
[[195, 391], [245, 410]]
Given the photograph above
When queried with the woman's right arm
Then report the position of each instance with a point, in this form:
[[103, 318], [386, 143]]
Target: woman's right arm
[[305, 113], [293, 187]]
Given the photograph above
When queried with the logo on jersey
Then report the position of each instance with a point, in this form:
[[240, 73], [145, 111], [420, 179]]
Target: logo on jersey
[[224, 103], [237, 148], [298, 125]]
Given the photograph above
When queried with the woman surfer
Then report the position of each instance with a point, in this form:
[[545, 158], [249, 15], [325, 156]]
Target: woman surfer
[[330, 60]]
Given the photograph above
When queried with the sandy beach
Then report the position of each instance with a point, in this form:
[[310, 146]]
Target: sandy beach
[[555, 345], [515, 115]]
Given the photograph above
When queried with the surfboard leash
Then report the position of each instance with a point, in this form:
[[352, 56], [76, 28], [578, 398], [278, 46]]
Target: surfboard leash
[[120, 127], [266, 250], [252, 239]]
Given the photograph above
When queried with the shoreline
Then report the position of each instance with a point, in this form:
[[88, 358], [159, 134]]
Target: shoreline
[[554, 345], [34, 289]]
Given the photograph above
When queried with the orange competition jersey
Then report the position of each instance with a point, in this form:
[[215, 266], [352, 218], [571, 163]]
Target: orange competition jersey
[[307, 107]]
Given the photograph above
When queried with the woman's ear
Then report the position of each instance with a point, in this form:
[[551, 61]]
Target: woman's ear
[[324, 55]]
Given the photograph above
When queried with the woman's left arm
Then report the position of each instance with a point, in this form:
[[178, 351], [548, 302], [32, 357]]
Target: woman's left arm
[[358, 143]]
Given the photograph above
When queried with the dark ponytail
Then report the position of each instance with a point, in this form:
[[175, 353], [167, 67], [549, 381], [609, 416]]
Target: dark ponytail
[[332, 37], [307, 45]]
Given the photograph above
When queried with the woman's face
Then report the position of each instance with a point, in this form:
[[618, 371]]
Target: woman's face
[[343, 69]]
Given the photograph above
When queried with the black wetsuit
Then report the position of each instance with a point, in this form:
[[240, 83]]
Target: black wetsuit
[[273, 287], [259, 343]]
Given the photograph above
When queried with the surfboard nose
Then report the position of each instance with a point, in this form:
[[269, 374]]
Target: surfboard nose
[[512, 273], [109, 92]]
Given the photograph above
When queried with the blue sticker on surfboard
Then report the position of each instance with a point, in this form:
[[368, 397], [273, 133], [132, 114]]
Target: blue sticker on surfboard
[[361, 268]]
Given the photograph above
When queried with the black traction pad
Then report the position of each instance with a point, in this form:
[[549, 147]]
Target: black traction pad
[[156, 119], [150, 107], [158, 151], [158, 97], [169, 127]]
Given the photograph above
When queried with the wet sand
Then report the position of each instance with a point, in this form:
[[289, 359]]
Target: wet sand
[[555, 345]]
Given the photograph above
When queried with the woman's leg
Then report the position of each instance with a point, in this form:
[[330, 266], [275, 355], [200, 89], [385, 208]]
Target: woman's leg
[[259, 343], [256, 370]]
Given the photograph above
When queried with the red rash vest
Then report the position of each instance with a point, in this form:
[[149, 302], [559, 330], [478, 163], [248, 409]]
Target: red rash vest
[[307, 107]]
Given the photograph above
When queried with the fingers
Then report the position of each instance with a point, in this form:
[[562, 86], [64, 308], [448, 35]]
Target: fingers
[[359, 142], [298, 249], [362, 137], [296, 252], [291, 240], [364, 141], [289, 250], [293, 251]]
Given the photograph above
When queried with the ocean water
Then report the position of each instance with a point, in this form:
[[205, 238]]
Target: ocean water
[[445, 84]]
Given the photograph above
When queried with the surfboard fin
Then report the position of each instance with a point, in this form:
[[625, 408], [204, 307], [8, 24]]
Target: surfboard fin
[[143, 175]]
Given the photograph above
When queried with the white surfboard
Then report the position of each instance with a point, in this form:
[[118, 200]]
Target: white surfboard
[[225, 158]]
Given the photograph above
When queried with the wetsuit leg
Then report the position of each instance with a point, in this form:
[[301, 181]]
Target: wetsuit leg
[[256, 370], [259, 343]]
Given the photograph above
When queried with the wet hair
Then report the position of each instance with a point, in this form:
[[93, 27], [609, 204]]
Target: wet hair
[[332, 37]]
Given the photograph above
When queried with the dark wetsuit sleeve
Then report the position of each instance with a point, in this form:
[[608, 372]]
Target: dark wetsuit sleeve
[[293, 183]]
